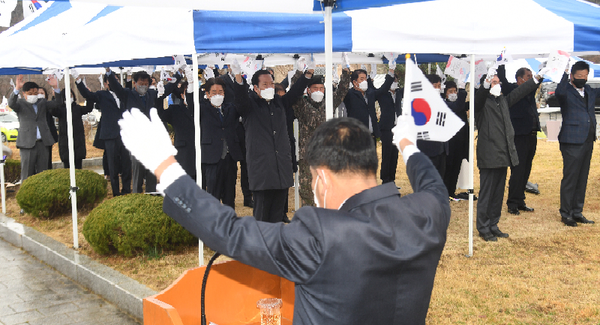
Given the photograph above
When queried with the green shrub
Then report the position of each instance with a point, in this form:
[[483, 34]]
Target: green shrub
[[132, 224], [12, 170], [47, 194]]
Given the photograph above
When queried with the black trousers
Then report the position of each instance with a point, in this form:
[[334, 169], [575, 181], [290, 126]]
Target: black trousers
[[139, 172], [118, 159], [458, 150], [526, 146], [220, 180], [269, 205], [78, 163], [389, 157], [439, 162], [576, 167], [241, 133], [491, 194]]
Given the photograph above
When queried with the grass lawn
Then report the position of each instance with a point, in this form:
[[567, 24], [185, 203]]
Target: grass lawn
[[545, 273]]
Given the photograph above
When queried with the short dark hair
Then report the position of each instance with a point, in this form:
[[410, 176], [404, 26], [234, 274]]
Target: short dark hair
[[258, 74], [29, 85], [434, 78], [104, 78], [521, 72], [141, 75], [356, 73], [270, 70], [180, 90], [580, 65], [213, 81], [449, 84], [343, 145], [316, 80], [279, 87]]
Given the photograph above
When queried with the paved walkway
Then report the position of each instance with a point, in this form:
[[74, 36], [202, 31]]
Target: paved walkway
[[33, 293]]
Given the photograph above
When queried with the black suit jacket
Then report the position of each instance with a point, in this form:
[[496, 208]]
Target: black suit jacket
[[389, 109], [215, 130], [373, 261], [130, 97], [111, 112], [78, 130], [577, 112], [523, 114], [361, 110]]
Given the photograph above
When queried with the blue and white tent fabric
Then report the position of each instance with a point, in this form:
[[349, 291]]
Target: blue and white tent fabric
[[110, 30]]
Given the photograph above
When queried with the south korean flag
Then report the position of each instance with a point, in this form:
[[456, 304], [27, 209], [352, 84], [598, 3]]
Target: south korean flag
[[435, 121]]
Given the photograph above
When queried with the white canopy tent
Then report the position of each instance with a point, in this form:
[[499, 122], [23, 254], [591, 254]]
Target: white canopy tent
[[569, 25]]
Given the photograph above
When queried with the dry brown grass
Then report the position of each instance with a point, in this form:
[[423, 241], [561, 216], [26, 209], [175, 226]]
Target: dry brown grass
[[545, 273]]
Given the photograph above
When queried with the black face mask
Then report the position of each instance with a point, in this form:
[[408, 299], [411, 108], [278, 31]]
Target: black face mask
[[579, 83]]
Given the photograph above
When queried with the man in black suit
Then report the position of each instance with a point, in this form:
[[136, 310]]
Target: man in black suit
[[526, 123], [576, 137], [390, 103], [268, 153], [143, 98], [220, 144], [360, 99], [117, 156], [344, 257], [228, 79], [34, 135]]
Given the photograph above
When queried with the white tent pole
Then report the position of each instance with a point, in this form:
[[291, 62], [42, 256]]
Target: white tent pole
[[2, 182], [328, 61], [406, 97], [197, 133], [73, 188], [471, 148]]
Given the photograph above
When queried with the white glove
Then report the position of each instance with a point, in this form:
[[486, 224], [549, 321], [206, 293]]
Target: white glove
[[461, 84], [179, 62], [208, 73], [235, 67], [541, 73], [345, 60], [491, 73], [311, 65], [129, 71], [405, 129], [146, 139], [74, 73], [392, 64], [160, 87], [301, 63]]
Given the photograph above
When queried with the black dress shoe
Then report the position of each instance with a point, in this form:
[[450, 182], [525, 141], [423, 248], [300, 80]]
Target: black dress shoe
[[569, 222], [514, 211], [499, 234], [488, 236], [582, 219], [526, 208]]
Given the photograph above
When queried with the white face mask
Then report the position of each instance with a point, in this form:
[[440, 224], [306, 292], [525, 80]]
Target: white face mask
[[41, 96], [32, 99], [394, 86], [452, 97], [217, 100], [267, 94], [142, 90], [317, 96], [363, 85], [496, 90], [441, 90]]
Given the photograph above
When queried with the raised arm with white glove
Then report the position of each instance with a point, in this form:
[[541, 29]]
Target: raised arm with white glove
[[405, 136], [301, 64], [488, 79], [208, 73]]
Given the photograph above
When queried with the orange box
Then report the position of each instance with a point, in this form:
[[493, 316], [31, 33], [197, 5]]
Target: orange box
[[232, 291]]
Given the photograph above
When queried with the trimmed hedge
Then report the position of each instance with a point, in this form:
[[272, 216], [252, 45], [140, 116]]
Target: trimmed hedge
[[47, 194], [133, 224], [12, 170]]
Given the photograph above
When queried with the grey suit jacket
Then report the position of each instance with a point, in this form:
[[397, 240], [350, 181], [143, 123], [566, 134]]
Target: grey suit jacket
[[373, 261], [29, 120]]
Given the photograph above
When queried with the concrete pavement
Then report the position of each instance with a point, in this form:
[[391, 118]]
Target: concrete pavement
[[33, 293]]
